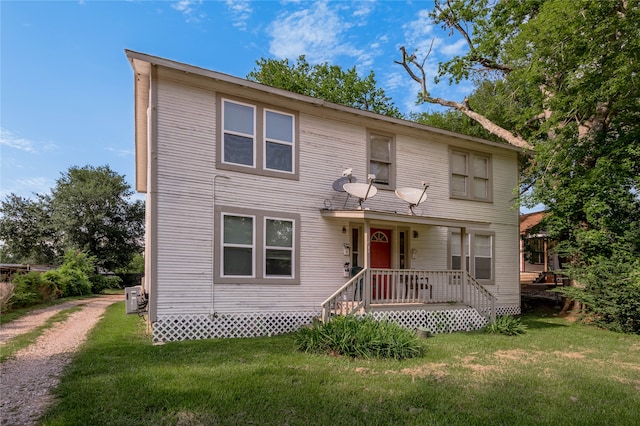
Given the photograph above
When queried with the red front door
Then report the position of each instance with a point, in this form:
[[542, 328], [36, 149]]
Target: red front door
[[380, 259]]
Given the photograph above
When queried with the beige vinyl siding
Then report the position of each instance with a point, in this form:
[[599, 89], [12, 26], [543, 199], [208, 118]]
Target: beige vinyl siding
[[329, 143]]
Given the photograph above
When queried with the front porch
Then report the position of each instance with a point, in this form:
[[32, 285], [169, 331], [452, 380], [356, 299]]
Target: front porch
[[409, 289]]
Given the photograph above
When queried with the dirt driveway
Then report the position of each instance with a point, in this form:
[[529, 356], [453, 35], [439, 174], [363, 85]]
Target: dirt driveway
[[27, 380]]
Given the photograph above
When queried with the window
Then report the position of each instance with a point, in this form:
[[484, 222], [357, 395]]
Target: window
[[470, 175], [479, 249], [455, 251], [534, 250], [381, 155], [239, 134], [256, 246], [257, 139], [279, 141], [238, 245], [278, 248]]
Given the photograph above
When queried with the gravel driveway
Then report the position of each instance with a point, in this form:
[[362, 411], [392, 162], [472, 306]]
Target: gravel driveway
[[26, 381]]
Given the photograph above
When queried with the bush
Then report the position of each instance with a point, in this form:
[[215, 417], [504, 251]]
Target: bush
[[26, 289], [99, 283], [507, 325], [361, 337], [610, 289]]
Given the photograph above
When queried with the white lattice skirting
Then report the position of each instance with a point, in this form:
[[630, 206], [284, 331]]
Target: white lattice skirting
[[202, 326]]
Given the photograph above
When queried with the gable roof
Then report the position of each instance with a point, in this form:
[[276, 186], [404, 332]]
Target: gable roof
[[143, 65], [529, 220]]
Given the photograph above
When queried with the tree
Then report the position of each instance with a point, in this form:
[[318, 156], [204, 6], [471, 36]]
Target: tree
[[26, 231], [560, 79], [323, 81], [88, 209], [91, 209]]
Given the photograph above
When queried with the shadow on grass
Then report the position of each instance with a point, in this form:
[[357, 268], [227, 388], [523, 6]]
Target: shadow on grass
[[537, 322]]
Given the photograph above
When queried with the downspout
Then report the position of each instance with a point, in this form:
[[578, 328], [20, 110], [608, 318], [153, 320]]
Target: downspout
[[214, 250]]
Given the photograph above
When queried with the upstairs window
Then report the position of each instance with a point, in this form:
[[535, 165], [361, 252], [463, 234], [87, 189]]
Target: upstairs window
[[470, 175], [239, 145], [257, 139], [278, 144], [381, 158]]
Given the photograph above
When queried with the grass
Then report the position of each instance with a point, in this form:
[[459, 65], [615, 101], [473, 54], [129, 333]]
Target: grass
[[21, 341], [556, 373]]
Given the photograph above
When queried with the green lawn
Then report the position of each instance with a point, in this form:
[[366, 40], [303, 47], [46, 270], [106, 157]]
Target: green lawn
[[556, 374]]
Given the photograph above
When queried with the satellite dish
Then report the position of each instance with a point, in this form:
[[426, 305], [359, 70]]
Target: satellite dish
[[413, 196], [362, 191], [338, 185]]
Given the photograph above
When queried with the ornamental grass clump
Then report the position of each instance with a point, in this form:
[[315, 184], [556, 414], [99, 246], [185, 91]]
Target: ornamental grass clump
[[360, 337], [507, 325]]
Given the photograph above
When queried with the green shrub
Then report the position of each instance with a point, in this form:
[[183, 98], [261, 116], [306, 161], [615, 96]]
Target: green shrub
[[100, 283], [26, 290], [360, 337], [507, 325]]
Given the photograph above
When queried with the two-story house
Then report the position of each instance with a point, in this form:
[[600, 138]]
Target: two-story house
[[266, 209]]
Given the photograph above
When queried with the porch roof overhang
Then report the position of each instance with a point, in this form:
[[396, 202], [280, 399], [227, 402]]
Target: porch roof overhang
[[389, 217]]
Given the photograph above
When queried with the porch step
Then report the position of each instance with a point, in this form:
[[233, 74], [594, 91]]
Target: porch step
[[527, 278]]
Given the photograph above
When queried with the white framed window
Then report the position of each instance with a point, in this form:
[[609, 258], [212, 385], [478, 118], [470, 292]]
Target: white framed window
[[278, 247], [256, 247], [238, 143], [470, 175], [238, 245], [381, 158], [480, 254], [257, 139], [278, 142]]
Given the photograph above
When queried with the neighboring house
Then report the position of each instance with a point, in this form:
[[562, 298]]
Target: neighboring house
[[249, 230], [539, 263]]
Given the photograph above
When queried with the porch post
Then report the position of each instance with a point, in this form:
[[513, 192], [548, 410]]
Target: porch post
[[366, 260], [463, 261]]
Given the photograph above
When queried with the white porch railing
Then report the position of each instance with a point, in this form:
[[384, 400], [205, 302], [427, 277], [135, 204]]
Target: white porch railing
[[347, 299], [408, 286]]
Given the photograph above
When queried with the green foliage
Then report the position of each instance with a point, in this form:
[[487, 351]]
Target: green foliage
[[507, 325], [89, 209], [324, 81], [72, 277], [136, 266], [26, 231], [360, 338], [26, 290], [611, 290], [564, 76], [100, 283]]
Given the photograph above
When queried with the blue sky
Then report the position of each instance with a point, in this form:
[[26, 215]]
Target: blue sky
[[67, 88]]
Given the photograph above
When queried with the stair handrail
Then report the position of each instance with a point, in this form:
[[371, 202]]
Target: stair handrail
[[347, 299], [487, 301]]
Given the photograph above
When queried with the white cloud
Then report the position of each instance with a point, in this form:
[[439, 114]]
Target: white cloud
[[120, 152], [12, 140], [240, 12], [419, 29], [456, 48], [28, 187], [315, 32], [189, 9]]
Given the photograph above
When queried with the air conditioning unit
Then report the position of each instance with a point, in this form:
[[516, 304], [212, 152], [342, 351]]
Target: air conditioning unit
[[134, 299]]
